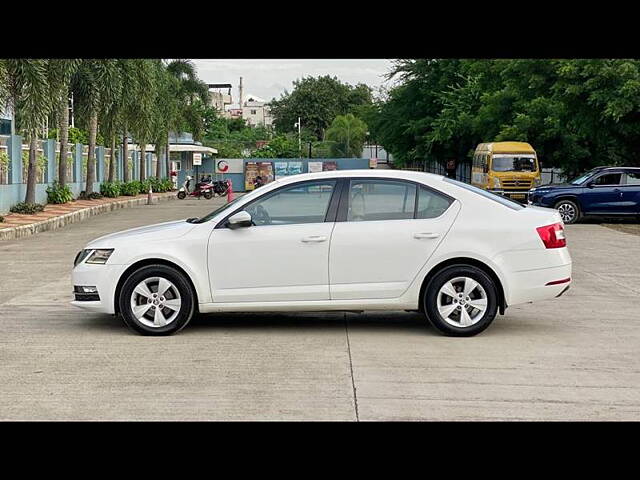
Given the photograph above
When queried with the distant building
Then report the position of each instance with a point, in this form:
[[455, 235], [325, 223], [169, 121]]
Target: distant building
[[5, 121], [256, 112], [220, 96]]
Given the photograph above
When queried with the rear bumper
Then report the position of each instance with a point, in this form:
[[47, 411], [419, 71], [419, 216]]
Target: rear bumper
[[534, 285]]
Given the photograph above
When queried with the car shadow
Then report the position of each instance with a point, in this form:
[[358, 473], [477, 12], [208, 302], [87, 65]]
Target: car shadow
[[382, 322]]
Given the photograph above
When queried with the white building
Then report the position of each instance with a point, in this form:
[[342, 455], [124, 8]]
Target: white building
[[256, 111], [220, 96]]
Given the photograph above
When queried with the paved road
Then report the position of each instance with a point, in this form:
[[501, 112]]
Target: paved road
[[574, 358]]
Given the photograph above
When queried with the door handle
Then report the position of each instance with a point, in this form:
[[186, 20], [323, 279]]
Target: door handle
[[425, 235], [314, 239]]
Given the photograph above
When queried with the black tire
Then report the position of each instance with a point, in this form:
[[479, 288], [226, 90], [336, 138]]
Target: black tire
[[208, 195], [565, 207], [452, 272], [187, 298], [181, 195]]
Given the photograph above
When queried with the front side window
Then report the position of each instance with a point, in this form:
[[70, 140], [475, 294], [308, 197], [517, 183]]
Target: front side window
[[302, 203], [608, 179], [380, 200]]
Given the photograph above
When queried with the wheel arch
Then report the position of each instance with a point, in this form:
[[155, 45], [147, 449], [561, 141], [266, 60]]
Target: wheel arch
[[143, 263], [464, 261], [568, 196]]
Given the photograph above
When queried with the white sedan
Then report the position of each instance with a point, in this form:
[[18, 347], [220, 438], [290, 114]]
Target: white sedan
[[342, 240]]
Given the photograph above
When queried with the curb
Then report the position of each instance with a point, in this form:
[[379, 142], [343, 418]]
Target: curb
[[77, 216]]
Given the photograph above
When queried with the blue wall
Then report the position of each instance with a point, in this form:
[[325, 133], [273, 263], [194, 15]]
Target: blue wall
[[237, 179]]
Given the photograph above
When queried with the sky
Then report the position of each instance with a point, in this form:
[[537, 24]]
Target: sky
[[268, 78]]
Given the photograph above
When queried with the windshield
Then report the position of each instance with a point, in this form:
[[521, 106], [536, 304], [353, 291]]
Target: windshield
[[513, 163], [582, 178], [507, 202], [209, 216]]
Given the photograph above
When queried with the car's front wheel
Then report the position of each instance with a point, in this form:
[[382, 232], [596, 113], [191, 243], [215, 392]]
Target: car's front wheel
[[461, 300], [569, 211], [156, 300]]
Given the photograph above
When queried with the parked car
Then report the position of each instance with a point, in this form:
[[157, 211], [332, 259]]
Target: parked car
[[603, 191], [337, 240]]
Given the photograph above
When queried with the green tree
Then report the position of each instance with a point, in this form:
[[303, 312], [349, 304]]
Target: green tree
[[349, 133], [27, 87], [317, 101]]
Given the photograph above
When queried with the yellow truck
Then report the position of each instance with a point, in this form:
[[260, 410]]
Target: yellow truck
[[506, 168]]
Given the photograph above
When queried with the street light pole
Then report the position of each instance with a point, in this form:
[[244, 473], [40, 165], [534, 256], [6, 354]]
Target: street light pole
[[297, 124]]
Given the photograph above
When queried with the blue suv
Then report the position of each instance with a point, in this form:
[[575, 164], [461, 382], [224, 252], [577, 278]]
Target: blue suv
[[603, 191]]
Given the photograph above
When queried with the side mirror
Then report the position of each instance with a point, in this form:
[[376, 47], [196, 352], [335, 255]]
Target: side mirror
[[590, 184], [240, 220]]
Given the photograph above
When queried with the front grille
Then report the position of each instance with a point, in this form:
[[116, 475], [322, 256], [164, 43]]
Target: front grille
[[517, 184]]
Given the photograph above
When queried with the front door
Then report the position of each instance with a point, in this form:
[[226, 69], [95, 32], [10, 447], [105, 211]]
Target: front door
[[284, 256], [604, 196], [384, 236]]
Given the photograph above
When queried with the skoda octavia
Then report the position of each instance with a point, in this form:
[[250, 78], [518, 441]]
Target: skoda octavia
[[343, 241]]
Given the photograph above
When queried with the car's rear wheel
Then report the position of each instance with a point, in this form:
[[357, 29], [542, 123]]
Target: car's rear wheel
[[461, 300], [569, 211], [156, 300]]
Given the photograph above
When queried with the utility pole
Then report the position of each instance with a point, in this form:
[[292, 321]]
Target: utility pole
[[297, 124]]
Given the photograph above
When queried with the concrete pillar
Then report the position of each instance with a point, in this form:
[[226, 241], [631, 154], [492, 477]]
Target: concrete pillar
[[150, 172], [77, 163], [136, 165], [14, 149], [100, 164], [49, 151]]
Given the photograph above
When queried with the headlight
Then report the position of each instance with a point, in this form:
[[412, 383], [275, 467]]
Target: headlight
[[537, 182], [496, 182], [100, 255], [82, 254]]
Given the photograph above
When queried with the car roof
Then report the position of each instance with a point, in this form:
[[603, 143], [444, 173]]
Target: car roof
[[373, 173]]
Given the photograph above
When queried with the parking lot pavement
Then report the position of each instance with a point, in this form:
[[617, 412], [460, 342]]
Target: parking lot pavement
[[573, 358]]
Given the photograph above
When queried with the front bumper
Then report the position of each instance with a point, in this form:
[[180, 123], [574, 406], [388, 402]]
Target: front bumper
[[521, 196], [104, 278]]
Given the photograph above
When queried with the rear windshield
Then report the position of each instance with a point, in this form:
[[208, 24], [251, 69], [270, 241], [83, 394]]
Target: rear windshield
[[507, 202]]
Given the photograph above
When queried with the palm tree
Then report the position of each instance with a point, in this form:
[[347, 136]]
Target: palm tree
[[60, 73], [145, 94], [166, 114], [349, 133], [96, 83], [28, 90]]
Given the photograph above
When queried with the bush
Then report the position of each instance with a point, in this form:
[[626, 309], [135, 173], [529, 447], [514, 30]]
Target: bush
[[27, 208], [131, 189], [57, 193], [111, 189], [92, 196]]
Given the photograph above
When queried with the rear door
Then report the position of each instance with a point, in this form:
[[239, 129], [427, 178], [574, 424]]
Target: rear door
[[385, 231], [631, 192]]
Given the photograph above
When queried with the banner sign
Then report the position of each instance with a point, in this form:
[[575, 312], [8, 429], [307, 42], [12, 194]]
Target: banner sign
[[326, 166], [315, 167], [229, 165], [197, 158], [255, 169], [281, 169]]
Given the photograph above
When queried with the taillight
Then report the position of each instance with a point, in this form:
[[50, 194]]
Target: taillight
[[552, 235]]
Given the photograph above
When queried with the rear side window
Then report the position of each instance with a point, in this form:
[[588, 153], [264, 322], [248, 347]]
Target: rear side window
[[507, 202], [431, 204], [633, 178], [380, 200]]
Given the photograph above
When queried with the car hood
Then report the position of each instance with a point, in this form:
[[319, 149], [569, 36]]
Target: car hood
[[556, 186], [164, 231]]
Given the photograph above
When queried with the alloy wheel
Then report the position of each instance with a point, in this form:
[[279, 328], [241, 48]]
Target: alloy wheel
[[567, 212], [155, 302], [462, 302]]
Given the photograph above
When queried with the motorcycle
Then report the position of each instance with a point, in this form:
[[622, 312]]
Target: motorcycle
[[220, 187], [202, 189]]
